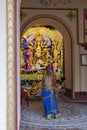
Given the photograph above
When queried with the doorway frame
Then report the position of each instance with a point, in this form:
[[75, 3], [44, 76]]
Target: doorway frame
[[12, 67], [12, 84]]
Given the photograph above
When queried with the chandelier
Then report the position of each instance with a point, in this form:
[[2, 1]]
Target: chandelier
[[54, 2]]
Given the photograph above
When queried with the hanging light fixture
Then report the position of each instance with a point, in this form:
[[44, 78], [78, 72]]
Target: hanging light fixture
[[54, 2]]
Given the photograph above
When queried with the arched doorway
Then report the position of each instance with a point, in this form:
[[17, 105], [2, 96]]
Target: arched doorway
[[40, 46], [63, 28]]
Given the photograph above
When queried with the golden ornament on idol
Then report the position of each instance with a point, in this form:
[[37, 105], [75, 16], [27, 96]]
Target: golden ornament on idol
[[46, 46]]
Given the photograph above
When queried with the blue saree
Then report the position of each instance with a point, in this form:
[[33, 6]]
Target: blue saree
[[50, 104]]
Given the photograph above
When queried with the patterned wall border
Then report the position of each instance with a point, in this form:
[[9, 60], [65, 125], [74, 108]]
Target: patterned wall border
[[11, 74], [42, 8]]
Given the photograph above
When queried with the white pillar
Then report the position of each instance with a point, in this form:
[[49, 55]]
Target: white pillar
[[18, 62], [11, 95], [3, 81], [76, 69]]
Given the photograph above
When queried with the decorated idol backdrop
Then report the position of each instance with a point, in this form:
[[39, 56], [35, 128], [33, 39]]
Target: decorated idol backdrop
[[41, 46]]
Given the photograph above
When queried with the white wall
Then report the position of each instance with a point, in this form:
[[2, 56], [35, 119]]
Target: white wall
[[3, 81]]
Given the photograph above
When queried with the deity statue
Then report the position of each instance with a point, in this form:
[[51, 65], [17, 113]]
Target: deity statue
[[40, 46]]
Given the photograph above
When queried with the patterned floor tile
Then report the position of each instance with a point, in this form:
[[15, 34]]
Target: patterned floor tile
[[74, 117]]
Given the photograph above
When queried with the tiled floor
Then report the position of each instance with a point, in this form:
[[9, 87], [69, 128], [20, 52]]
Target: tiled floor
[[74, 116]]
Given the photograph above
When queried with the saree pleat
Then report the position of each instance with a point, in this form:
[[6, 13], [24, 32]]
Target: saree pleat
[[49, 102]]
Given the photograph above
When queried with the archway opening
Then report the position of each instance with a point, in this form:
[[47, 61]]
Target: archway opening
[[63, 28], [40, 46]]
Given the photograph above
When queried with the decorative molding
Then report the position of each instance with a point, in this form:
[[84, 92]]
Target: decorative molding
[[22, 15], [54, 2], [70, 15], [74, 10], [43, 8], [10, 67], [48, 17]]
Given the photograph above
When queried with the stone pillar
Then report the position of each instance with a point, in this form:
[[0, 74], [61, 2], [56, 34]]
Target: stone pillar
[[11, 110]]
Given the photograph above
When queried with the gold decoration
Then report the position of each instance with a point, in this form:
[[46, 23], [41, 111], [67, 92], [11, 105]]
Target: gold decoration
[[46, 46]]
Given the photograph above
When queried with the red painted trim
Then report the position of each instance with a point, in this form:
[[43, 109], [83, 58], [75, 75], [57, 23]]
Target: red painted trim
[[16, 68], [81, 95]]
